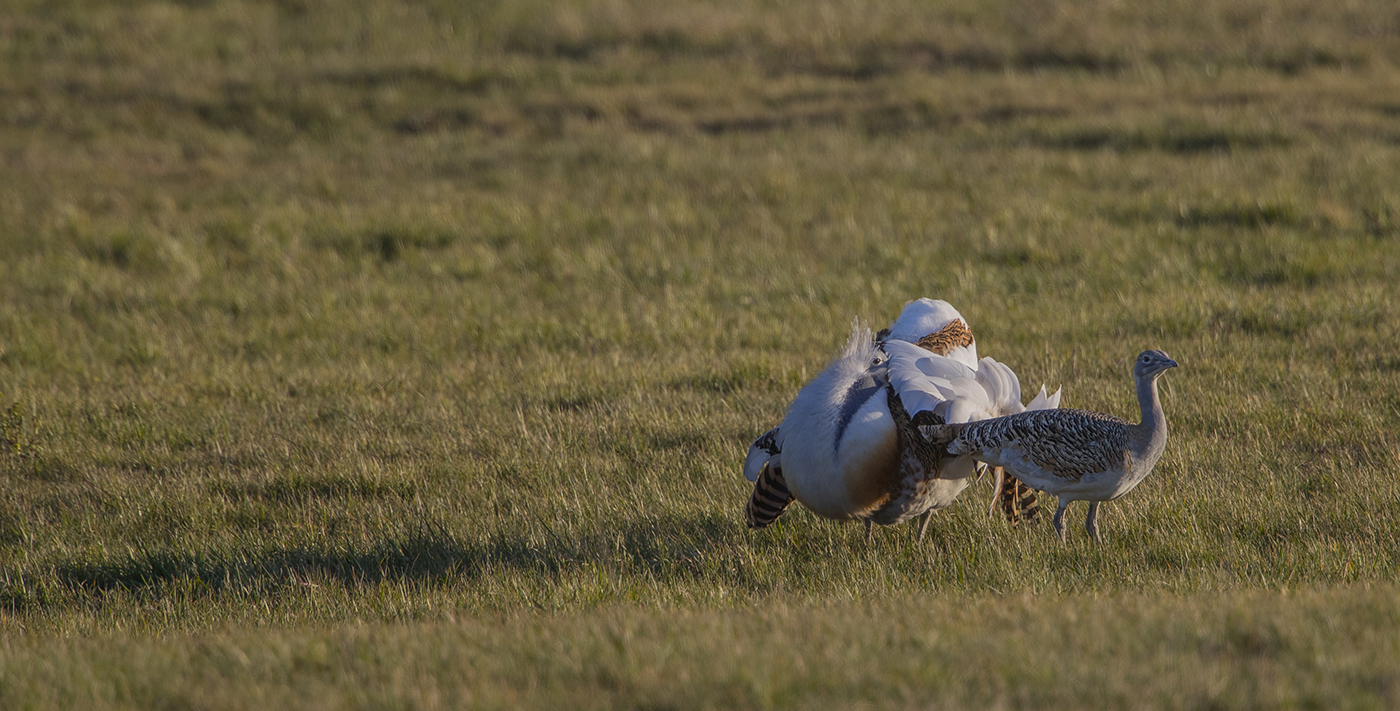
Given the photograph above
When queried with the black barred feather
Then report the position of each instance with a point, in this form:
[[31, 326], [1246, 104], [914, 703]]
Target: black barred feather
[[768, 442], [770, 498]]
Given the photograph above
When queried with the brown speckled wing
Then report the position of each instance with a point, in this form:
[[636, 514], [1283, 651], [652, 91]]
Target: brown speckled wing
[[954, 335]]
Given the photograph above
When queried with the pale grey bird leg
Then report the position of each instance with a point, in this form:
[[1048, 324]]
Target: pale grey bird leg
[[1060, 519], [1091, 523], [924, 518], [981, 468], [999, 476]]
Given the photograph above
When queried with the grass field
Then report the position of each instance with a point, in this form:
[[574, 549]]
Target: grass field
[[404, 355]]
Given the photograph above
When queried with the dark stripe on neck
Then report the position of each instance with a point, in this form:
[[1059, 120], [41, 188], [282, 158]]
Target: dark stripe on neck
[[856, 396]]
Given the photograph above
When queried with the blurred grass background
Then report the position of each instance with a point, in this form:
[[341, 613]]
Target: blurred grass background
[[376, 340]]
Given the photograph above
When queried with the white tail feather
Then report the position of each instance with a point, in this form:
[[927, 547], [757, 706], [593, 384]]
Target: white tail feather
[[1002, 386], [1045, 402]]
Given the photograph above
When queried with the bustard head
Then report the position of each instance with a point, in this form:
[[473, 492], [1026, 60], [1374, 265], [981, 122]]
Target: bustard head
[[1151, 364]]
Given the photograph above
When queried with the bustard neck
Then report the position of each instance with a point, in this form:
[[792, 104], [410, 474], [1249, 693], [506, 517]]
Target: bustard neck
[[1154, 422]]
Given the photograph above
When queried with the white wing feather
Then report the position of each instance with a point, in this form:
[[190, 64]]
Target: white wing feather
[[954, 391], [758, 456], [1002, 386], [931, 382]]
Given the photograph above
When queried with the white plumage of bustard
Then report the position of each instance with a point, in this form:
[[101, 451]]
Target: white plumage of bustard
[[1076, 455], [848, 449]]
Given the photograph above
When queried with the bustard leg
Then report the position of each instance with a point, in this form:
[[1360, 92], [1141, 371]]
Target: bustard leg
[[1091, 523], [924, 518], [1060, 519], [999, 478], [868, 524]]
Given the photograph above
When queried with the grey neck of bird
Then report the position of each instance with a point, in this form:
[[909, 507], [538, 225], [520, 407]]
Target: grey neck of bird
[[1154, 423]]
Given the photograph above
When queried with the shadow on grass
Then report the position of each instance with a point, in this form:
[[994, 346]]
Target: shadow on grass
[[660, 548], [1168, 138]]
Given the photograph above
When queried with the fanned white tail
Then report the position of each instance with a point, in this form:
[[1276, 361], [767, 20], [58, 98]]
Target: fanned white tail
[[1002, 386], [953, 391]]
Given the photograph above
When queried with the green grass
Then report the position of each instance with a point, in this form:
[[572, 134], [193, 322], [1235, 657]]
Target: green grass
[[404, 355], [1320, 649]]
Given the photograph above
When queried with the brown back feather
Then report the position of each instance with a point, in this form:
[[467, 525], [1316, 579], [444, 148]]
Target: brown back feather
[[954, 335]]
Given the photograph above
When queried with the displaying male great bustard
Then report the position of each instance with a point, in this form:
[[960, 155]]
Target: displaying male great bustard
[[1073, 454], [847, 448]]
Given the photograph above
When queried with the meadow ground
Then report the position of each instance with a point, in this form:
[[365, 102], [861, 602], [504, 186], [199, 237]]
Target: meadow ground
[[404, 355]]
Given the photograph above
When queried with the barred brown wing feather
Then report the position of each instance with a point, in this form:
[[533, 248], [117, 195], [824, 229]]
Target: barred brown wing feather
[[1027, 502], [1017, 501]]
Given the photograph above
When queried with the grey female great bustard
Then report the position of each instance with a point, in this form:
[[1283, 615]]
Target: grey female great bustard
[[1073, 454], [847, 448]]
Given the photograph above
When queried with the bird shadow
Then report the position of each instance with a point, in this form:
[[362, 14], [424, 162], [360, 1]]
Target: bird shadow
[[659, 547]]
